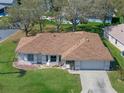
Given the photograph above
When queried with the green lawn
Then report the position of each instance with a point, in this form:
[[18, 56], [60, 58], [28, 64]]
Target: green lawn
[[4, 22], [36, 81], [114, 75], [117, 85], [115, 53], [89, 27]]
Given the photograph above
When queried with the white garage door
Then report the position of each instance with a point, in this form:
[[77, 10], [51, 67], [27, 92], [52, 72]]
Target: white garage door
[[92, 65]]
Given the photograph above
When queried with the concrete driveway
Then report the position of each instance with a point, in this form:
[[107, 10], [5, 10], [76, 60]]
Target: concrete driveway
[[95, 82]]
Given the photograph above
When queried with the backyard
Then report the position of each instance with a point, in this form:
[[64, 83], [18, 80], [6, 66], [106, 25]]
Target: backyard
[[36, 81]]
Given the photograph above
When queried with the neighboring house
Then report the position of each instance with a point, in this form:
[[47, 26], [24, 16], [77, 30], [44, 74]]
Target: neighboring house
[[4, 4], [77, 50], [2, 10], [98, 20], [7, 2], [115, 34]]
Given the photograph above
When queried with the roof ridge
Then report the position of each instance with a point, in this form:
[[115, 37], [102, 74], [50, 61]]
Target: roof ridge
[[69, 51], [78, 44]]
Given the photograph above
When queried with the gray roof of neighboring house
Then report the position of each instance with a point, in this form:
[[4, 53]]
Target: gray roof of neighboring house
[[2, 6], [117, 32], [6, 1]]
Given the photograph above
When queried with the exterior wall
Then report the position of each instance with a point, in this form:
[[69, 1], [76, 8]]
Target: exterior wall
[[23, 58], [107, 65], [96, 65], [114, 41], [77, 65], [103, 65], [118, 44]]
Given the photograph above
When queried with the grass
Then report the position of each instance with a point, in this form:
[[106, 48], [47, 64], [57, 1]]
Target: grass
[[37, 81], [4, 22], [114, 75], [41, 81], [89, 27], [117, 85], [7, 52], [115, 53]]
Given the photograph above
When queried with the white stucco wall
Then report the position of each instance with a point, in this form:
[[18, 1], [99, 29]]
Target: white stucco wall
[[118, 45], [23, 58], [77, 65], [104, 65]]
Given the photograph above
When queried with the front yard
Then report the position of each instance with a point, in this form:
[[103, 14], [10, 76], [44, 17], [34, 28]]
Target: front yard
[[40, 81], [116, 83]]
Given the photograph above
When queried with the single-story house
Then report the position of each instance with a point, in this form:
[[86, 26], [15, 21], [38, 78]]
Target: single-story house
[[78, 50], [115, 34]]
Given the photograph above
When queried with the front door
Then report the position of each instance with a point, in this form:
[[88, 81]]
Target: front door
[[71, 63], [39, 59]]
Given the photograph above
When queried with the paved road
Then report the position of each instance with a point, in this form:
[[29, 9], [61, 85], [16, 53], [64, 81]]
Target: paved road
[[96, 82], [6, 33]]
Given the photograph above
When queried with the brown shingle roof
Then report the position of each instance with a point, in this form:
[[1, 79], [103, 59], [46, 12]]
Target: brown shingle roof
[[72, 45]]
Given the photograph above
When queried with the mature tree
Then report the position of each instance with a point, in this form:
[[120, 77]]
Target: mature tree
[[119, 8], [48, 4], [77, 9], [102, 9], [27, 14], [58, 12], [38, 12], [56, 9]]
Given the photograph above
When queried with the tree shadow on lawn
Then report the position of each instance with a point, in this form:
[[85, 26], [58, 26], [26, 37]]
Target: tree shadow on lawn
[[4, 62], [21, 73]]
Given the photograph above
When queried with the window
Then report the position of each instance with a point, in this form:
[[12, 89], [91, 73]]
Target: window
[[53, 58], [30, 57]]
